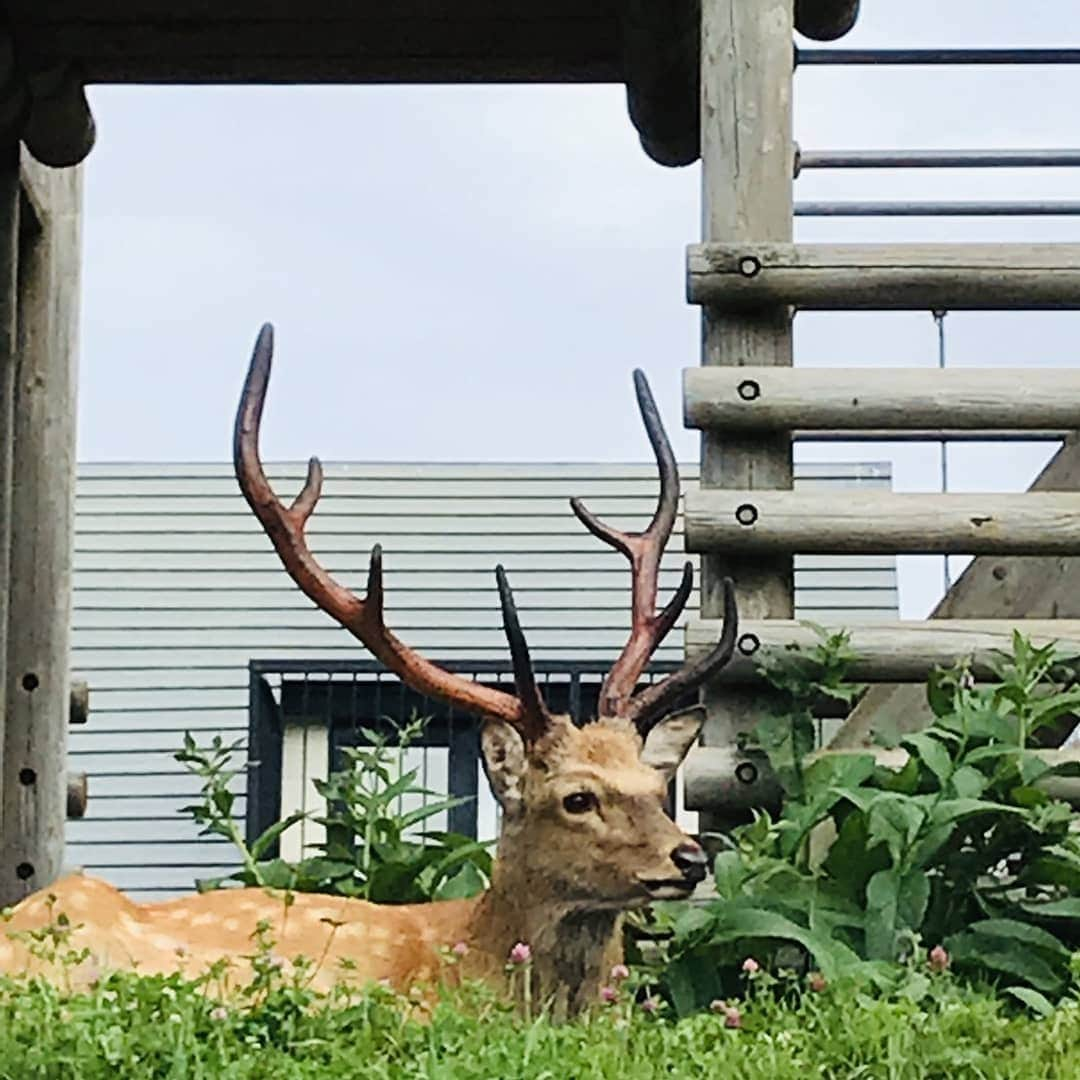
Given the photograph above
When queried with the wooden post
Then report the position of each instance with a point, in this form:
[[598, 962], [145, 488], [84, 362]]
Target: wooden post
[[747, 165], [35, 786], [9, 262]]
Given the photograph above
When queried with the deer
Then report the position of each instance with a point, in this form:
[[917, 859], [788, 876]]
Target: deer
[[584, 835]]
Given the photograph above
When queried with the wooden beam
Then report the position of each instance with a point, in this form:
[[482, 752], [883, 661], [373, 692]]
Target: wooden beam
[[747, 156], [60, 130], [660, 48], [727, 780], [843, 399], [893, 651], [825, 20], [78, 793], [990, 587], [10, 202], [848, 522], [79, 708], [885, 277], [39, 613]]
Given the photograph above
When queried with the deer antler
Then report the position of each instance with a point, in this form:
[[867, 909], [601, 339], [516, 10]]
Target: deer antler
[[363, 618], [647, 626]]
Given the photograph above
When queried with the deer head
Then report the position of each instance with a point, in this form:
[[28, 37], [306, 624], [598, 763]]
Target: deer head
[[584, 830]]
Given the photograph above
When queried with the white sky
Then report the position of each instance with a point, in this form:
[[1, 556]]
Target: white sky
[[471, 273]]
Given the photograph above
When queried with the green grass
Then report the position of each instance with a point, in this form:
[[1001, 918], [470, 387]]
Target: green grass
[[164, 1027]]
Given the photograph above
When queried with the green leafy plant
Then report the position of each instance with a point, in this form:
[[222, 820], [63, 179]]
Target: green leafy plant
[[961, 846], [373, 849]]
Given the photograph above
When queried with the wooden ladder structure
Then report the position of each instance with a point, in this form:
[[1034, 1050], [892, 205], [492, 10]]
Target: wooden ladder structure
[[747, 400]]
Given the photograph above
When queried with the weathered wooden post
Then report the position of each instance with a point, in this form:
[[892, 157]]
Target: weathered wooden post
[[747, 160], [10, 199], [42, 510]]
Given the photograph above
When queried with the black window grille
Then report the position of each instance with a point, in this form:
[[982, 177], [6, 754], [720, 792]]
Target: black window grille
[[346, 696]]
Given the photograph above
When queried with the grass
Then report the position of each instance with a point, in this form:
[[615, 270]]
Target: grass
[[129, 1026]]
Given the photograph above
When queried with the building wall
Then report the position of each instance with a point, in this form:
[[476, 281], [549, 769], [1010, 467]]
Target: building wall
[[176, 589]]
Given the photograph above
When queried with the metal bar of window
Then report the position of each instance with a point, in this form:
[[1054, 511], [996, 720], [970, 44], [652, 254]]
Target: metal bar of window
[[938, 159], [1025, 208], [935, 57]]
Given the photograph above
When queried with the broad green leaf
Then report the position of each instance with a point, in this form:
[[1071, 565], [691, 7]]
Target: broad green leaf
[[1032, 767], [932, 753], [950, 810], [1008, 956], [1035, 1001], [894, 820], [882, 893], [967, 782], [466, 882], [1032, 936], [270, 836], [1068, 908], [912, 899]]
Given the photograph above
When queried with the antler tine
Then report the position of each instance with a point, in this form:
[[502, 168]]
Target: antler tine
[[644, 550], [363, 618], [536, 712], [654, 703]]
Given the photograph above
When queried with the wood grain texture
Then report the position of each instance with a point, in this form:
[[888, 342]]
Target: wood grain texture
[[894, 651], [10, 202], [1026, 523], [974, 277], [747, 154], [843, 399], [989, 587], [719, 779], [39, 614]]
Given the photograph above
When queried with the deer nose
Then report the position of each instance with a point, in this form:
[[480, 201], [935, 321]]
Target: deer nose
[[691, 860]]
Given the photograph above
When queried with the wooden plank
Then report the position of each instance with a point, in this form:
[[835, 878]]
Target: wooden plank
[[10, 202], [894, 651], [846, 399], [39, 614], [724, 779], [885, 277], [1025, 523], [747, 154], [211, 12], [440, 48], [660, 49], [990, 587]]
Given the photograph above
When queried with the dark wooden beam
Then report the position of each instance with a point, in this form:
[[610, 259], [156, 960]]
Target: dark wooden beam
[[60, 130], [825, 20]]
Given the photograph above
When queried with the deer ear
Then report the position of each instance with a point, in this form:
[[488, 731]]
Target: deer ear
[[670, 740], [504, 764]]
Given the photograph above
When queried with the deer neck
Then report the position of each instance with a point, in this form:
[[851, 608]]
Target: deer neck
[[572, 948]]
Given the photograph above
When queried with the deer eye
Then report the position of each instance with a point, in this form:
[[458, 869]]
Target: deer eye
[[581, 802]]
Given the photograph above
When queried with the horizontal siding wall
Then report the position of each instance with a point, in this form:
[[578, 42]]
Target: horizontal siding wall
[[176, 589]]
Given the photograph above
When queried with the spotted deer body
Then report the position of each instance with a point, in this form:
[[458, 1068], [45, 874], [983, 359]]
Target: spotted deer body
[[584, 833]]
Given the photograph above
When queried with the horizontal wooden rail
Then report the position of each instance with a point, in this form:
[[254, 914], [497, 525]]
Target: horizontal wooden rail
[[78, 791], [974, 277], [889, 652], [79, 704], [719, 778], [848, 399], [850, 521]]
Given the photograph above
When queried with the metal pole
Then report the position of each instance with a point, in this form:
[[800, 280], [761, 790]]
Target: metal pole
[[934, 57], [938, 159], [938, 209]]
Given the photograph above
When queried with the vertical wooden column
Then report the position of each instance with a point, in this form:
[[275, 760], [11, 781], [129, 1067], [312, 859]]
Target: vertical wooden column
[[747, 160], [42, 515], [9, 301]]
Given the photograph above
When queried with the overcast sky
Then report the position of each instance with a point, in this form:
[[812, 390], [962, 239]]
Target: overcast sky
[[470, 273]]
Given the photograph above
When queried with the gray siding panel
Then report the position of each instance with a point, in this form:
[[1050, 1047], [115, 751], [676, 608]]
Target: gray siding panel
[[176, 589]]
